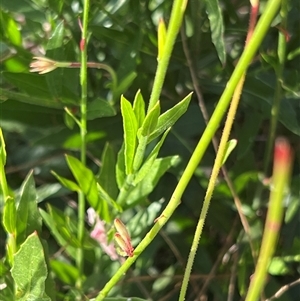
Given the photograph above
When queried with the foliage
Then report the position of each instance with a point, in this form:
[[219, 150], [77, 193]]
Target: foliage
[[109, 131]]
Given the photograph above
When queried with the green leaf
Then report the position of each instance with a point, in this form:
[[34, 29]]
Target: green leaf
[[144, 218], [33, 84], [258, 93], [294, 53], [289, 117], [74, 141], [86, 180], [162, 283], [9, 215], [38, 101], [47, 190], [56, 5], [69, 119], [140, 152], [150, 121], [147, 166], [54, 50], [161, 37], [55, 226], [9, 29], [292, 210], [2, 149], [251, 126], [67, 273], [130, 133], [124, 84], [217, 27], [120, 167], [278, 267], [139, 108], [143, 133], [230, 146], [64, 228], [36, 86], [100, 108], [108, 200], [146, 186], [7, 293], [107, 174], [30, 271], [104, 200], [28, 217], [168, 118], [65, 182]]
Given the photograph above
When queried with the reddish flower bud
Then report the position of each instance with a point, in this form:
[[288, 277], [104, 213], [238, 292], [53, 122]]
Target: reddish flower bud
[[123, 239]]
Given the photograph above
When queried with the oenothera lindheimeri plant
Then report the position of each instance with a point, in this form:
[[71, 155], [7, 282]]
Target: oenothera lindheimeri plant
[[121, 182]]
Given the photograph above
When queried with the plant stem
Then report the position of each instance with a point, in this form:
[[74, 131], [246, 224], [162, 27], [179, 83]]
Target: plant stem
[[83, 132], [260, 31], [218, 162], [281, 173], [281, 52], [172, 31], [212, 181]]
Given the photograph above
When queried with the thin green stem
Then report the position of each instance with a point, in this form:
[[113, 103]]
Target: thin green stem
[[259, 33], [281, 52], [280, 179], [218, 163], [83, 132], [172, 31], [211, 185]]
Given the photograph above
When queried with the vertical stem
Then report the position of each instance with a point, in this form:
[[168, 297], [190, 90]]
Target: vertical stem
[[280, 180], [83, 132], [281, 52], [174, 25]]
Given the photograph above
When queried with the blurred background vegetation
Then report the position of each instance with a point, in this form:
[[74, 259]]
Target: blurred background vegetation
[[123, 35]]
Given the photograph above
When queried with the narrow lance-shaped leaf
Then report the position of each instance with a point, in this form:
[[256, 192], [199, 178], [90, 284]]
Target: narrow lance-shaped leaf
[[168, 118], [130, 132], [105, 196], [55, 51], [161, 36], [143, 133], [9, 29], [66, 182], [2, 149], [145, 169], [9, 215], [146, 186], [28, 217], [54, 225], [120, 167], [139, 108], [230, 146], [107, 174], [150, 121], [217, 27], [86, 180]]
